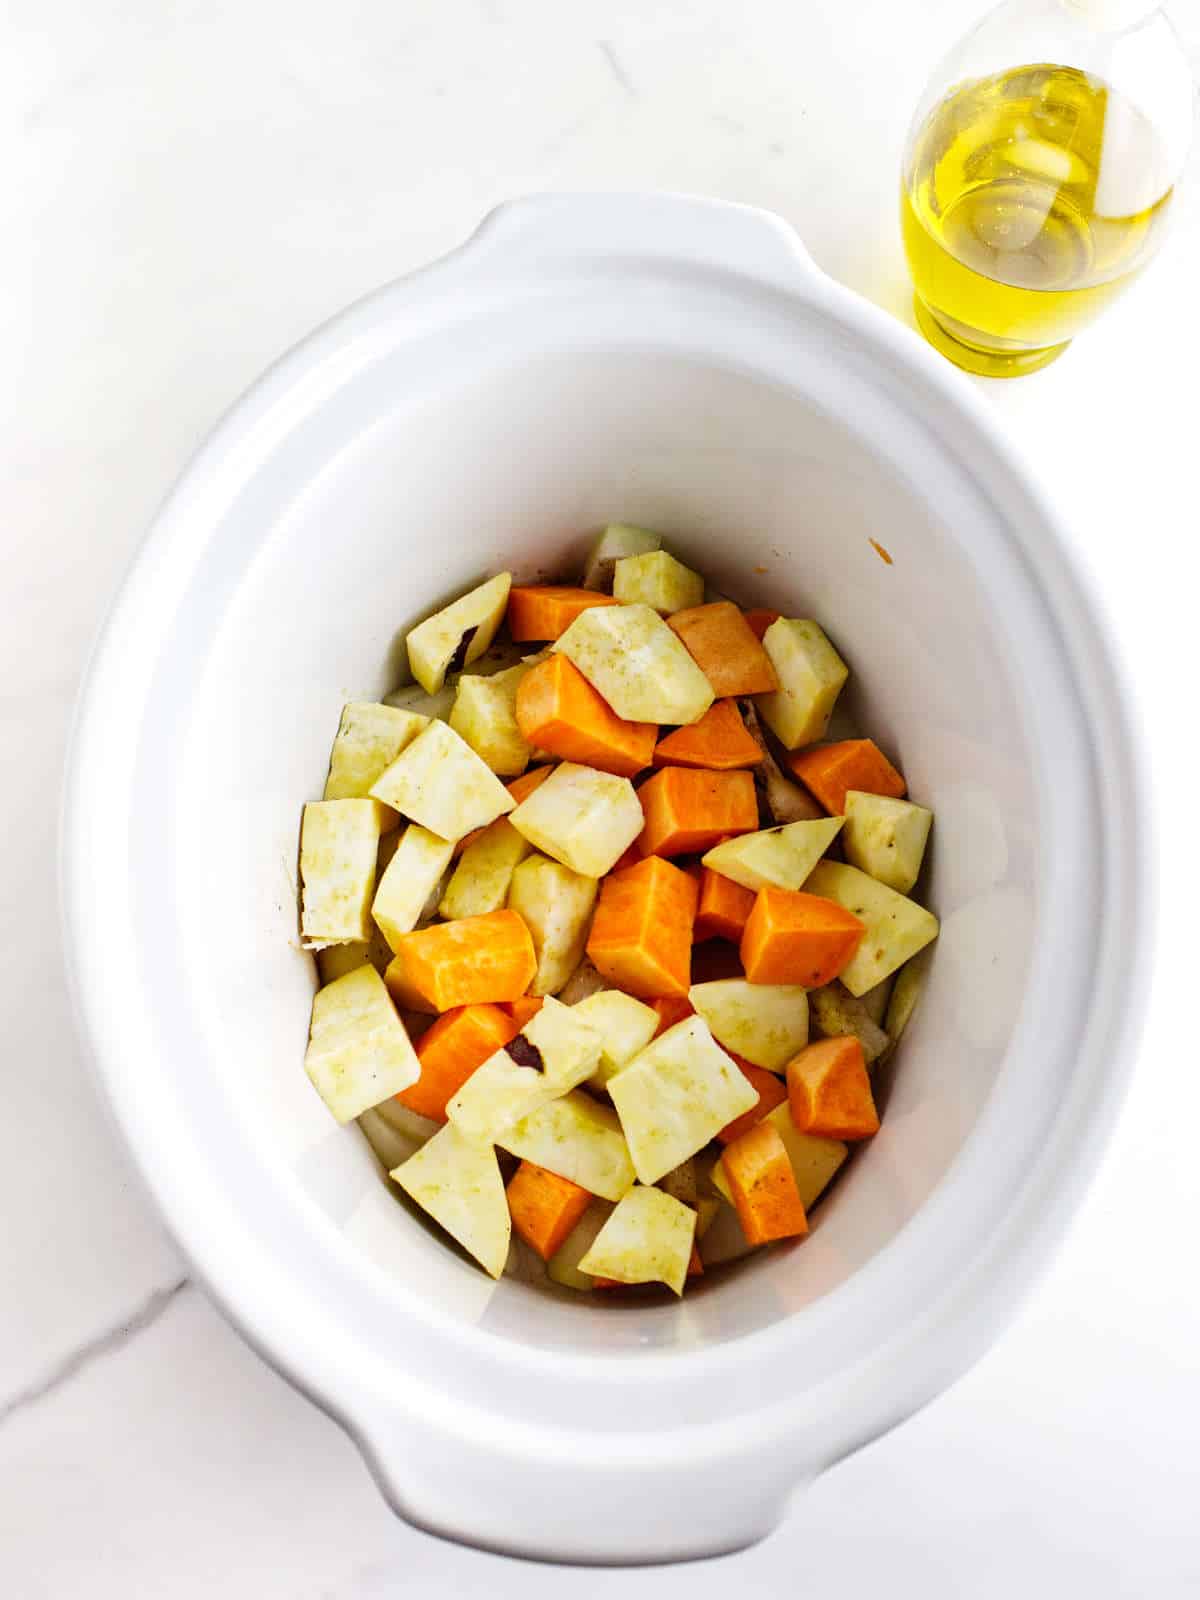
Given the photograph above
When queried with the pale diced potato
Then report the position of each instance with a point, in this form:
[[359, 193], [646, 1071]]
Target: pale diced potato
[[563, 1052], [485, 715], [583, 818], [339, 840], [459, 1184], [412, 875], [433, 644], [584, 982], [875, 1001], [556, 905], [568, 1042], [625, 1026], [906, 992], [495, 1096], [630, 657], [577, 1138], [656, 579], [836, 1013], [441, 783], [369, 739], [617, 541], [781, 857], [811, 675], [682, 1182], [814, 1159], [336, 960], [481, 881], [648, 1239], [563, 1267], [896, 928], [676, 1096], [766, 1023], [358, 1052], [886, 838]]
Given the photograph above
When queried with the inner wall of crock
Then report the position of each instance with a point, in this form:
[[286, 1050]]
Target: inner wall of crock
[[778, 503]]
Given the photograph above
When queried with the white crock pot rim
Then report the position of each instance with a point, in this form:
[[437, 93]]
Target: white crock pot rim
[[911, 1365]]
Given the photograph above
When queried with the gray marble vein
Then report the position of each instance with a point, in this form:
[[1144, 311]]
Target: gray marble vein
[[102, 1344]]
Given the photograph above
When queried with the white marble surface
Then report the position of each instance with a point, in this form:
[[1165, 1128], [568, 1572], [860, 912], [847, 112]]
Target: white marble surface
[[187, 189]]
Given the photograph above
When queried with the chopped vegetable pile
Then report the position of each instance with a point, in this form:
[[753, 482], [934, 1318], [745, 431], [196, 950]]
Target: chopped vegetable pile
[[506, 885]]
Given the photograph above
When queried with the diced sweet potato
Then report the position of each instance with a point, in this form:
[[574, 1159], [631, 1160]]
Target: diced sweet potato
[[830, 1092], [831, 769], [449, 1052], [641, 938], [811, 675], [468, 962], [543, 610], [544, 1207], [656, 579], [522, 1010], [758, 621], [771, 1090], [724, 907], [719, 741], [792, 937], [558, 711], [671, 1009], [724, 647], [764, 1186], [688, 810], [520, 789]]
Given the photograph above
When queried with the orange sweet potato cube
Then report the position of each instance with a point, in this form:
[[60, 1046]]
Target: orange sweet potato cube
[[641, 938], [723, 645], [829, 1090], [829, 771], [688, 811], [793, 937], [449, 1052], [763, 1185]]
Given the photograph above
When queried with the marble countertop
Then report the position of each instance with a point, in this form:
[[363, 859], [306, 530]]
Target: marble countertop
[[188, 189]]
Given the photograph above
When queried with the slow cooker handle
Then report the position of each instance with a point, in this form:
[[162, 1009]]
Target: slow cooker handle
[[546, 228]]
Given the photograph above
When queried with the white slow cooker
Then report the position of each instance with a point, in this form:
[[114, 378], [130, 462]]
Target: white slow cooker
[[680, 364]]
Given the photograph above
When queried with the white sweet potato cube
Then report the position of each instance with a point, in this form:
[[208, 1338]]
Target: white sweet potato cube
[[583, 818], [563, 1267], [441, 783], [554, 1053], [777, 857], [358, 1052], [836, 1013], [625, 1026], [481, 881], [369, 738], [617, 540], [577, 1138], [459, 1185], [485, 716], [648, 1239], [906, 992], [886, 838], [339, 841], [676, 1096], [411, 876], [631, 658], [766, 1023], [434, 643], [682, 1182], [814, 1159], [811, 675], [895, 927], [656, 579], [556, 905]]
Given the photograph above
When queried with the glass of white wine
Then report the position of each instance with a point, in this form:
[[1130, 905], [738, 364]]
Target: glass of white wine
[[1040, 175]]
